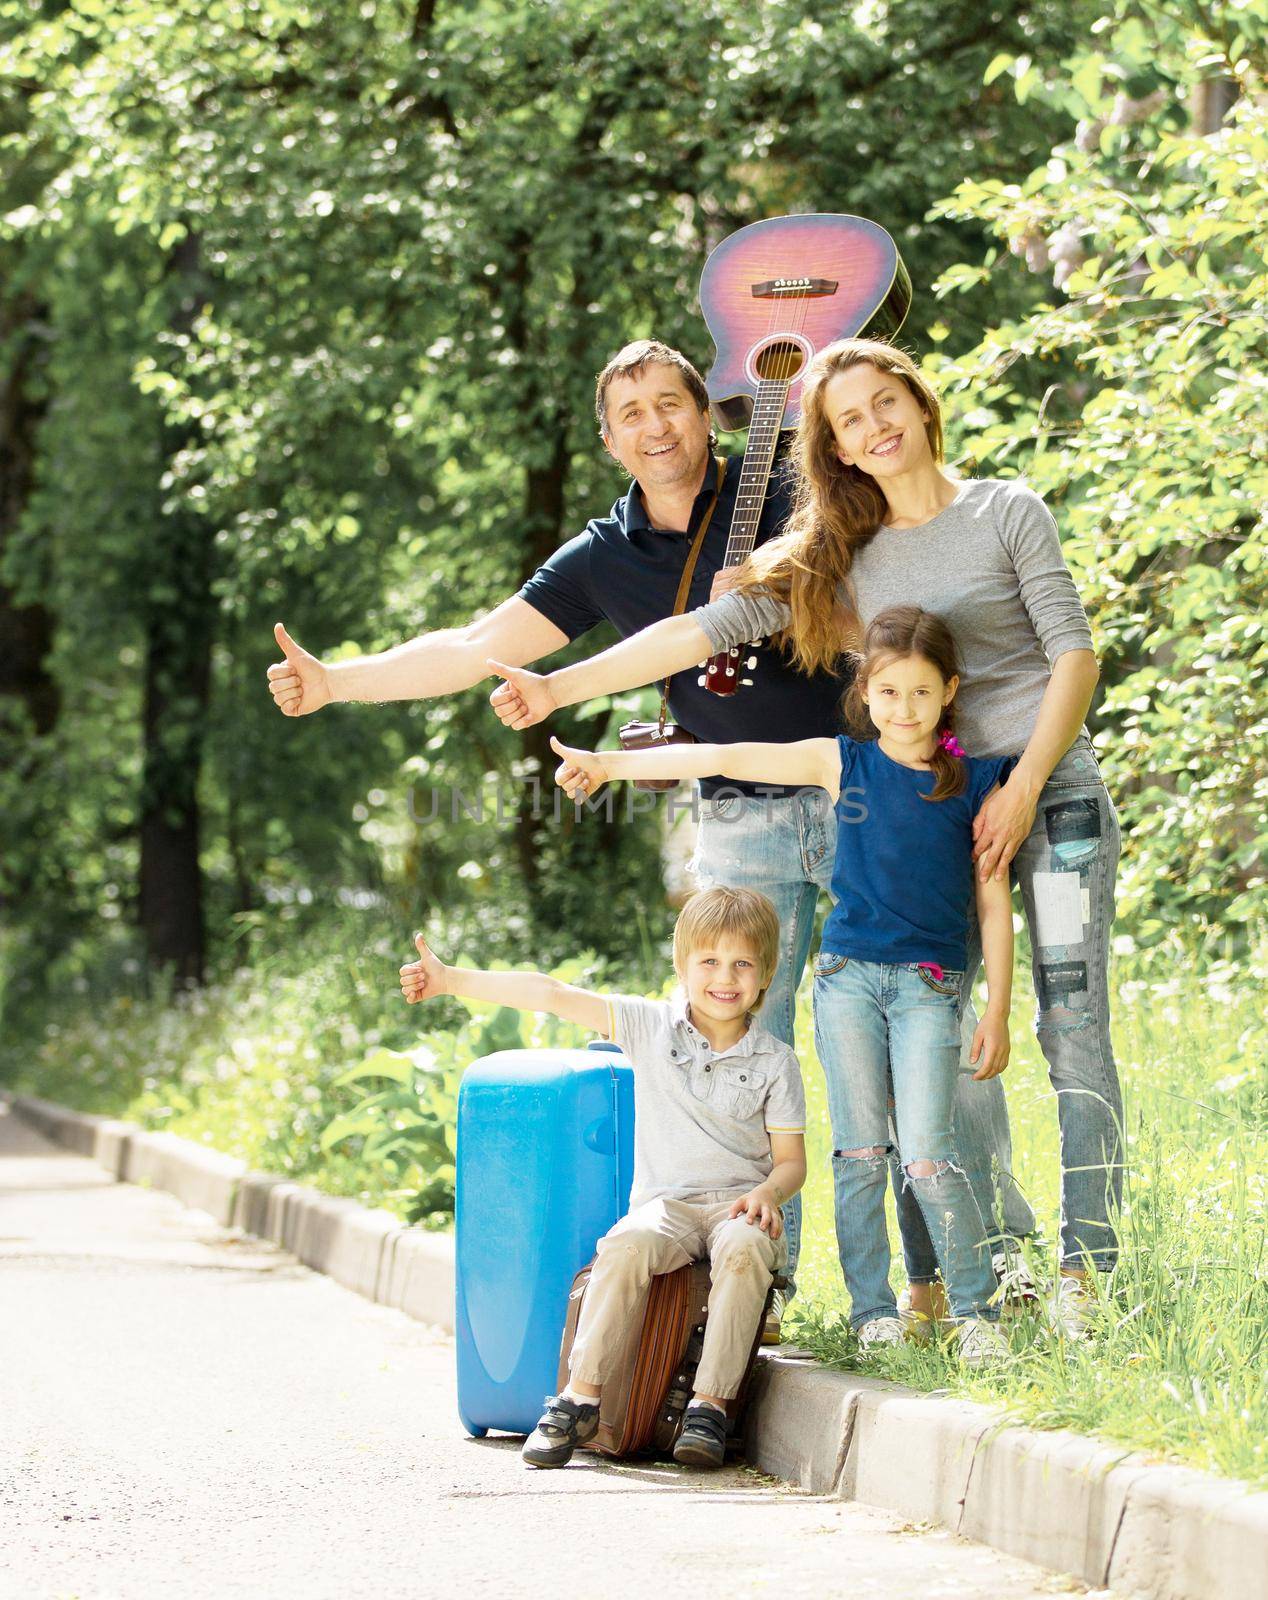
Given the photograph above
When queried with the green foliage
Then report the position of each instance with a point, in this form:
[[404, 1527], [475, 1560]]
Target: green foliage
[[322, 295], [1150, 434]]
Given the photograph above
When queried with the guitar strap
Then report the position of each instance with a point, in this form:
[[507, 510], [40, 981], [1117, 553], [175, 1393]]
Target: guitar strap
[[688, 572]]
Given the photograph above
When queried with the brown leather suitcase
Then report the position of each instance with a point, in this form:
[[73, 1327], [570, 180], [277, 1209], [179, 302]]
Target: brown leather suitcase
[[642, 1408]]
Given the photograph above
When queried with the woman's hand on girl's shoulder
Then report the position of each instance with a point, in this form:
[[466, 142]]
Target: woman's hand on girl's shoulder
[[989, 1051]]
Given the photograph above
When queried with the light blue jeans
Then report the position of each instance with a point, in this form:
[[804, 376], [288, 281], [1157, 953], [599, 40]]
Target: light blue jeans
[[1066, 869], [786, 848], [896, 1026]]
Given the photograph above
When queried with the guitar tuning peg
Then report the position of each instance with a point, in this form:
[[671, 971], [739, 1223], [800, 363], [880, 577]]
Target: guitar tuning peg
[[746, 683], [750, 664], [730, 672], [703, 679]]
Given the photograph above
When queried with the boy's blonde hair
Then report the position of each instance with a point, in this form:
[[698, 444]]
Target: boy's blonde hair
[[723, 913]]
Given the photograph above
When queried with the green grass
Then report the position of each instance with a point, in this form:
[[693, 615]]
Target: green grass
[[1180, 1366], [256, 1064]]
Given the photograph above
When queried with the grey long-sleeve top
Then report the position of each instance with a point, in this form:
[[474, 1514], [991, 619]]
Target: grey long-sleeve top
[[990, 565]]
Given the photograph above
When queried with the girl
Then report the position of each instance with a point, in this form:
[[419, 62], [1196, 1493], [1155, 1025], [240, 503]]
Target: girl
[[878, 520], [888, 975]]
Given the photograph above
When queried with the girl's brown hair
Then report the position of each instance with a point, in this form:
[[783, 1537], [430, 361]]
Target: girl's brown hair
[[837, 509], [892, 635]]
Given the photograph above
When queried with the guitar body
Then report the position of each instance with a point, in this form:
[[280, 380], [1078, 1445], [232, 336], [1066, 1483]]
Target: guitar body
[[872, 292], [773, 295]]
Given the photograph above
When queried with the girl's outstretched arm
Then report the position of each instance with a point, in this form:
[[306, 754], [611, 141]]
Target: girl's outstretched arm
[[806, 763]]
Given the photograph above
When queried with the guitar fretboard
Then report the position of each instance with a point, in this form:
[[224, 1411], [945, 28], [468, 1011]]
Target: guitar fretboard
[[763, 435]]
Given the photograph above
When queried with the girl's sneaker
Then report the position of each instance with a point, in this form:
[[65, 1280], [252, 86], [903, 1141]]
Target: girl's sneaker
[[879, 1331], [981, 1344]]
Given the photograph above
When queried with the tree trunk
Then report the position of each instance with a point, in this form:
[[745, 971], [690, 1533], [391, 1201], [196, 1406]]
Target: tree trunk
[[26, 631], [179, 629]]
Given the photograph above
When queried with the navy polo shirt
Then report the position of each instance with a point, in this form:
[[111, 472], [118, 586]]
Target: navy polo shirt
[[623, 571], [903, 877]]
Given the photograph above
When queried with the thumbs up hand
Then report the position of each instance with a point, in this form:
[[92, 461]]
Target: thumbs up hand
[[300, 683], [423, 979], [524, 698], [581, 773]]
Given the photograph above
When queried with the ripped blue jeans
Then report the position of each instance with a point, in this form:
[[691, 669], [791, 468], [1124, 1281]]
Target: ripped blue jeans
[[1065, 869], [877, 1025]]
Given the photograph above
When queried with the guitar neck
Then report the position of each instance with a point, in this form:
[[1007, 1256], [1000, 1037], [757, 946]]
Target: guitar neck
[[759, 453]]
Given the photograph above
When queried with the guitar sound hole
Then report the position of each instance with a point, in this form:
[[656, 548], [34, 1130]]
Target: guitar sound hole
[[781, 361]]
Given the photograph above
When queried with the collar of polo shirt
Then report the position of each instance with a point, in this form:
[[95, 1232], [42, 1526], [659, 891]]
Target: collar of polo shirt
[[745, 1045]]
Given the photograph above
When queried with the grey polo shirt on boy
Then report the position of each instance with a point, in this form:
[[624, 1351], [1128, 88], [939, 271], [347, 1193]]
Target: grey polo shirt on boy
[[702, 1121]]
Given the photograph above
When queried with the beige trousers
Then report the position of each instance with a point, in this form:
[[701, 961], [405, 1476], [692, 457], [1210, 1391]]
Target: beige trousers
[[661, 1237]]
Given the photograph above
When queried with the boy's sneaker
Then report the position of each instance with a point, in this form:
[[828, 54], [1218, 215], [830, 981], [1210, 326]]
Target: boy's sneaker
[[879, 1331], [770, 1326], [564, 1425], [702, 1442], [1072, 1309], [981, 1344]]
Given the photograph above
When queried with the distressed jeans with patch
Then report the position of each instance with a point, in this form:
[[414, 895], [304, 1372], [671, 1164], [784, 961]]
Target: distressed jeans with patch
[[662, 1236], [1066, 869], [879, 1026]]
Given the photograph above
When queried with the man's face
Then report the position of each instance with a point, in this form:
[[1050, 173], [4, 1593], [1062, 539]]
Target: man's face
[[654, 429]]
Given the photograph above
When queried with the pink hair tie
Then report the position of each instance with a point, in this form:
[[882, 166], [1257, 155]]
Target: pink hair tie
[[951, 744]]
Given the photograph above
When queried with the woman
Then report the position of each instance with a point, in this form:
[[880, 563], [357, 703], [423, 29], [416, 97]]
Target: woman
[[879, 522]]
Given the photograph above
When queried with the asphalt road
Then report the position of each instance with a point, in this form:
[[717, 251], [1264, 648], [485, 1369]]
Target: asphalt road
[[185, 1413]]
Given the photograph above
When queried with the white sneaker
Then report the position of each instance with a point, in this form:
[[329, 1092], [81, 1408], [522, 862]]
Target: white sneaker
[[1072, 1310], [981, 1344], [880, 1331]]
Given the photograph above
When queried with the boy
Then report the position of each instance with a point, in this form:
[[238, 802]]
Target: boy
[[718, 1149]]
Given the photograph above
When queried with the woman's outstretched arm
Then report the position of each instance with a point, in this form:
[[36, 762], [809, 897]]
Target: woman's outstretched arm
[[675, 644]]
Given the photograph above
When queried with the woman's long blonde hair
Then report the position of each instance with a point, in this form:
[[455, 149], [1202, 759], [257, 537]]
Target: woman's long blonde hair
[[836, 510]]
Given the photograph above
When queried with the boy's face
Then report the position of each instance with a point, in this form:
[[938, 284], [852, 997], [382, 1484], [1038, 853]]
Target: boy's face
[[723, 980]]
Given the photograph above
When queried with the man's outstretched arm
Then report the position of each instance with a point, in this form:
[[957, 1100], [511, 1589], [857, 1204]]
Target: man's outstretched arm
[[434, 664]]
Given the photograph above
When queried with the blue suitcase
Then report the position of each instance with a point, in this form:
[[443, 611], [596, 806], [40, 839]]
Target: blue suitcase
[[545, 1157]]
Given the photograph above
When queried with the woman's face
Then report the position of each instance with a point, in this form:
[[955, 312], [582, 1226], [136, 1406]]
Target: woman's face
[[877, 422]]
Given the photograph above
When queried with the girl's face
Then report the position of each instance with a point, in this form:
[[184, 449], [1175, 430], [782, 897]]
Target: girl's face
[[904, 699], [877, 422]]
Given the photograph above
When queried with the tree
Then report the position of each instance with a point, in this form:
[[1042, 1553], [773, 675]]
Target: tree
[[1151, 432]]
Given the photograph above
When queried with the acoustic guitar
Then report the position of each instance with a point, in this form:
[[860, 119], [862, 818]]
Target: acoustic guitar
[[773, 295]]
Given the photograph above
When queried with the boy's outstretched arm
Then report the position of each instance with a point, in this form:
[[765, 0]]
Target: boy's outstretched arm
[[808, 762], [428, 977]]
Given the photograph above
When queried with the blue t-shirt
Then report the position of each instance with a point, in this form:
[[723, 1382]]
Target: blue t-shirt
[[623, 571], [903, 879]]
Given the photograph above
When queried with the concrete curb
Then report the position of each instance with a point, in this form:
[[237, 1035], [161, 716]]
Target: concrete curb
[[1110, 1517]]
